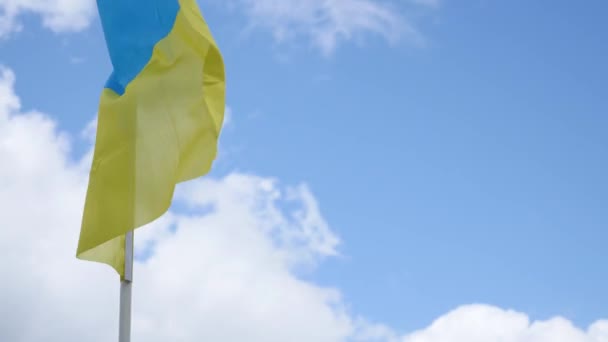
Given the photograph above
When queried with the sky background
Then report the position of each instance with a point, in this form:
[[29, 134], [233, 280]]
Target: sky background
[[456, 149]]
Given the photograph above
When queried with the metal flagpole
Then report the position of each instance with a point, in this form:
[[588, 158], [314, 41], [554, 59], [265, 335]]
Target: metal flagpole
[[124, 333]]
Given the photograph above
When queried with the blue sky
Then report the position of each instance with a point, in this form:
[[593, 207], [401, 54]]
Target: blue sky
[[458, 149]]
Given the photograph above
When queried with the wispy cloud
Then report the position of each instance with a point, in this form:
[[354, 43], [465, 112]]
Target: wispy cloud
[[327, 23], [57, 15], [76, 60], [428, 3]]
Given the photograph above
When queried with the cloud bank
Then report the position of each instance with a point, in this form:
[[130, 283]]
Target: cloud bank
[[223, 268], [483, 323]]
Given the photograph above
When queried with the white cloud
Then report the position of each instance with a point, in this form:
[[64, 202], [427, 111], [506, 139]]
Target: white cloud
[[57, 15], [222, 268], [482, 323], [9, 102], [226, 274], [326, 23]]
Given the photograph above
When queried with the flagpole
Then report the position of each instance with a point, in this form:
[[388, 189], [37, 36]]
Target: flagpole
[[124, 330]]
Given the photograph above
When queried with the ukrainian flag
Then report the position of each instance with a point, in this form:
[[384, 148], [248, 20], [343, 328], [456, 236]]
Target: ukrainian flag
[[160, 116]]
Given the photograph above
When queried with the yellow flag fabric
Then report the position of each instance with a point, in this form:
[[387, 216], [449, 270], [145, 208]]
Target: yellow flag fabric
[[159, 120]]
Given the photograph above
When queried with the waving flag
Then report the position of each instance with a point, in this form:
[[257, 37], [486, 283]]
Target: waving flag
[[160, 116]]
